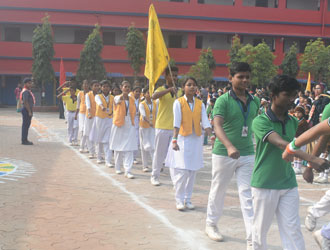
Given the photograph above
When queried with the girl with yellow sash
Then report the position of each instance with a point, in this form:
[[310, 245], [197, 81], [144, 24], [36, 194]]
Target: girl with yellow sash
[[101, 130], [148, 111], [123, 134], [185, 155]]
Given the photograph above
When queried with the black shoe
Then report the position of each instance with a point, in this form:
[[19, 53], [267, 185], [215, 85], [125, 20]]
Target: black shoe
[[27, 143]]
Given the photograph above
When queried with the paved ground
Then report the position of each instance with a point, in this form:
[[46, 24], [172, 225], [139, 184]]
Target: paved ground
[[53, 197]]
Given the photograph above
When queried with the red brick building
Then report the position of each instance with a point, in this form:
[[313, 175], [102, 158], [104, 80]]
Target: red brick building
[[188, 26]]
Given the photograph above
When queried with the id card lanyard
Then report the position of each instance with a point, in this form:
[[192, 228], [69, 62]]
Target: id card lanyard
[[245, 128], [127, 106]]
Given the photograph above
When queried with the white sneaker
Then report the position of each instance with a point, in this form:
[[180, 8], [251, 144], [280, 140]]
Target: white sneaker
[[180, 206], [154, 181], [297, 171], [249, 245], [91, 156], [189, 205], [71, 143], [310, 220], [109, 165], [135, 162], [323, 242], [129, 175], [145, 169], [99, 161], [322, 180], [213, 233], [81, 150], [118, 172]]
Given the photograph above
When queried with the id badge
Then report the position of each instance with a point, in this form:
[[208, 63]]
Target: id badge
[[245, 131]]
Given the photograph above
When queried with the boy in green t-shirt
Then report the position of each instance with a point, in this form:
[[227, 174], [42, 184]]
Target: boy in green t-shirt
[[233, 151], [274, 185]]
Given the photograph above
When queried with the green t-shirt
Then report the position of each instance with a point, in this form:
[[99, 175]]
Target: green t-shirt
[[270, 170], [326, 112], [227, 106]]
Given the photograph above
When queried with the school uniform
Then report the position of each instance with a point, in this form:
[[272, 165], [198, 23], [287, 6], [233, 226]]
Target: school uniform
[[237, 123], [164, 130], [146, 132], [101, 130], [137, 125], [274, 185], [81, 119], [123, 134], [183, 164], [90, 104], [71, 108]]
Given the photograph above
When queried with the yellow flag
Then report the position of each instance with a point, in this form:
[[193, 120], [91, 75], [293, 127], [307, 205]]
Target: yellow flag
[[157, 57], [308, 85]]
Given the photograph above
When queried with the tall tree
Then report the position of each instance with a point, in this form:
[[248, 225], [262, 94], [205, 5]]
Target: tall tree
[[261, 61], [290, 64], [233, 53], [136, 48], [43, 53], [202, 70], [316, 60], [91, 66]]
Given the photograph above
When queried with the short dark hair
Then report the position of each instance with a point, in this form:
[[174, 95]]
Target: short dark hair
[[145, 89], [125, 82], [187, 79], [27, 79], [239, 67], [173, 68], [283, 83], [115, 85], [105, 82], [137, 87], [94, 81]]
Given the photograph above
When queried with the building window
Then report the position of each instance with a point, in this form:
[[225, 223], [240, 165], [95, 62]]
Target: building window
[[301, 44], [261, 3], [175, 41], [109, 38], [303, 4], [328, 5], [12, 34], [80, 36], [254, 40], [199, 42], [218, 2]]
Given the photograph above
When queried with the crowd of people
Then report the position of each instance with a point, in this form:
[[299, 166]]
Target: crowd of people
[[114, 122]]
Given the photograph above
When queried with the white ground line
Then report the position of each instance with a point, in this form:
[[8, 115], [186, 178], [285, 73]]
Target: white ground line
[[6, 178], [189, 237]]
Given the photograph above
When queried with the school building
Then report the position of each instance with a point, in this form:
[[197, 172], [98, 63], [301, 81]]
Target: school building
[[188, 26]]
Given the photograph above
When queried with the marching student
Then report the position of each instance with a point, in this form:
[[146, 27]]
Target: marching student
[[115, 89], [71, 109], [164, 122], [137, 95], [233, 151], [81, 115], [101, 129], [123, 134], [148, 111], [274, 185], [185, 155], [90, 113]]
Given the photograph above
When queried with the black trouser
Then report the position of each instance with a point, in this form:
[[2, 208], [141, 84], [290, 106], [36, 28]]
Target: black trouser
[[61, 109], [26, 124]]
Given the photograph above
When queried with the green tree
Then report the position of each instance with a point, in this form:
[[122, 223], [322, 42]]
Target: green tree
[[290, 64], [43, 53], [261, 61], [91, 66], [136, 48], [202, 70], [233, 53], [316, 60]]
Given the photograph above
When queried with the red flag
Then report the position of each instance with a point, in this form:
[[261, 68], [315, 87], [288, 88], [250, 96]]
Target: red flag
[[62, 73]]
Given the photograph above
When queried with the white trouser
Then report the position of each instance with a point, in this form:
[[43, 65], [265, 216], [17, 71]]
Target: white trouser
[[106, 150], [126, 157], [285, 204], [144, 156], [72, 128], [137, 126], [223, 169], [183, 181], [82, 118], [322, 207], [163, 138]]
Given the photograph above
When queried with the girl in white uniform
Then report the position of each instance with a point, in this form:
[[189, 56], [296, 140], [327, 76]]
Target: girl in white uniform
[[101, 130], [185, 155], [123, 135], [90, 111], [81, 115], [148, 112]]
